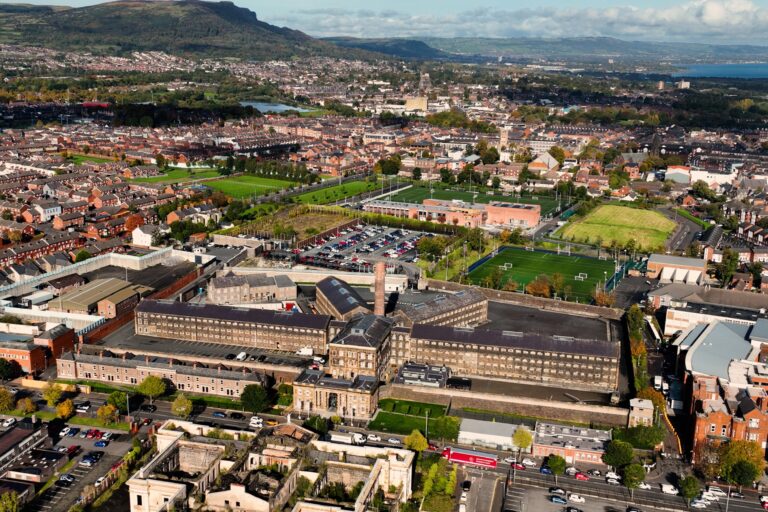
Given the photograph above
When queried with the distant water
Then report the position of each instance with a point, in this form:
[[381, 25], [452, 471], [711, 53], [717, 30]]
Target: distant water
[[724, 71], [272, 108]]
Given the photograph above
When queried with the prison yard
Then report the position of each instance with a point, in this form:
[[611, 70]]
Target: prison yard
[[404, 416], [620, 224], [581, 274], [179, 176]]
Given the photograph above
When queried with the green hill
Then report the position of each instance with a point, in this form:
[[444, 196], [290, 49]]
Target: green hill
[[396, 47], [196, 27]]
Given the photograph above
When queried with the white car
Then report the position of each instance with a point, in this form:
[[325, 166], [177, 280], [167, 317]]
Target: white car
[[699, 504], [669, 489], [571, 471], [764, 498], [374, 437], [613, 475], [645, 486], [64, 431], [575, 498], [510, 460], [528, 462], [712, 489], [710, 496], [612, 481], [463, 498], [9, 422], [393, 440], [99, 481]]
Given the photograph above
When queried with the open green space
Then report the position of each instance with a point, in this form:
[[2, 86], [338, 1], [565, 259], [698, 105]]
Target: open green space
[[523, 266], [337, 193], [612, 223], [417, 194], [411, 408], [85, 159], [247, 186], [688, 215], [179, 176]]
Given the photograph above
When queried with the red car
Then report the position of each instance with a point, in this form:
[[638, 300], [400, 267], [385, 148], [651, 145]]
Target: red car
[[91, 433], [98, 434], [765, 505], [434, 447], [581, 476], [518, 466]]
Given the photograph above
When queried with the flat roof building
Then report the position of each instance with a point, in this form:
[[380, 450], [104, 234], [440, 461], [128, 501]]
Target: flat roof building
[[575, 444]]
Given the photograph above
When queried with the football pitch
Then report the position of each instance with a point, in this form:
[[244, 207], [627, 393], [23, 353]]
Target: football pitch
[[581, 273]]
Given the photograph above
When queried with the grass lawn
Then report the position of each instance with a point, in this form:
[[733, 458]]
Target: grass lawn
[[609, 223], [247, 186], [417, 194], [397, 423], [84, 159], [411, 408], [337, 193], [179, 176], [524, 266], [75, 420]]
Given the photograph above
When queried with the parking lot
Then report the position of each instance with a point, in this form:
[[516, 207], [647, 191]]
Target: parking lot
[[350, 248], [59, 498]]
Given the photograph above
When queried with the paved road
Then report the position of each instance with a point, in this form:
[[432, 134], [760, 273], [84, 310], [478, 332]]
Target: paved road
[[684, 235]]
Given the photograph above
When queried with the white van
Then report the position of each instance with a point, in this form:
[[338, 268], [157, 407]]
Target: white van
[[241, 356], [669, 489], [256, 422]]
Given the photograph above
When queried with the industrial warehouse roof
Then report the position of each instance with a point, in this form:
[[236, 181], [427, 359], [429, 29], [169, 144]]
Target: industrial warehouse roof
[[255, 280], [86, 296], [713, 298], [338, 292], [122, 295], [251, 316], [566, 436], [665, 259], [717, 345], [488, 428], [512, 339]]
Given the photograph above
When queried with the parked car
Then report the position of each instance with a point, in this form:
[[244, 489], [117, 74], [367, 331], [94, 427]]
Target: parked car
[[613, 475], [8, 422], [581, 476], [73, 431], [510, 460], [62, 483], [101, 444], [148, 408], [544, 470], [557, 490], [99, 481], [571, 471], [107, 436], [737, 495], [433, 447], [219, 414], [466, 486], [64, 432], [237, 416], [594, 472], [572, 509], [576, 498], [713, 489], [374, 438], [558, 500], [529, 462], [633, 509], [644, 485], [696, 503], [67, 478], [393, 440], [612, 481], [518, 466]]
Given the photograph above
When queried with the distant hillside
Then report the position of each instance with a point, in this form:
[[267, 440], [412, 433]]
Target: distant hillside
[[400, 48], [180, 27], [586, 48]]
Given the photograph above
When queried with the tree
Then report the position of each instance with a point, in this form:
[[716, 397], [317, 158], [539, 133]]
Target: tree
[[416, 173], [707, 456], [644, 437], [496, 182], [558, 283], [254, 398], [9, 502], [182, 406], [735, 451], [65, 409], [15, 236], [119, 400], [6, 400], [558, 154], [557, 464], [728, 265], [618, 454], [634, 475], [152, 387], [107, 414], [9, 369], [82, 256], [52, 393], [604, 298], [26, 406], [416, 441], [160, 160], [689, 488], [539, 287], [742, 473], [317, 424], [522, 439]]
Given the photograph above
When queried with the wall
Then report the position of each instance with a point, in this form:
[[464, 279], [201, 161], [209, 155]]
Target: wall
[[394, 282], [579, 413]]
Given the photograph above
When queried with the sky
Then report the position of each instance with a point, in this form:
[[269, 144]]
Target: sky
[[714, 21]]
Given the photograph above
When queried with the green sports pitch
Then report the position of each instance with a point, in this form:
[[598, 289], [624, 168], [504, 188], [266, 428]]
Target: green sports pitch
[[417, 194], [581, 273]]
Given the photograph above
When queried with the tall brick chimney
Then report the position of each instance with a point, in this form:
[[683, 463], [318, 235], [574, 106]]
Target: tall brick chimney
[[378, 288]]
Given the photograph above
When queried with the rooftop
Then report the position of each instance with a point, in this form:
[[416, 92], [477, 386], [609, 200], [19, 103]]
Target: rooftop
[[580, 438]]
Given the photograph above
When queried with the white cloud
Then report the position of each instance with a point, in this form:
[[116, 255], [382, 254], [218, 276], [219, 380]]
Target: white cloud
[[716, 21]]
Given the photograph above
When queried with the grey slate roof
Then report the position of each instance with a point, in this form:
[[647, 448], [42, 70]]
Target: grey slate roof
[[339, 293], [365, 331], [254, 316]]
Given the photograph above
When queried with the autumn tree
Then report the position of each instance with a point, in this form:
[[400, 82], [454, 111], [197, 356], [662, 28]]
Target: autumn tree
[[539, 287], [604, 298], [65, 409], [522, 439], [26, 406], [416, 441], [9, 502], [182, 406], [152, 387], [107, 414], [6, 400], [52, 393]]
